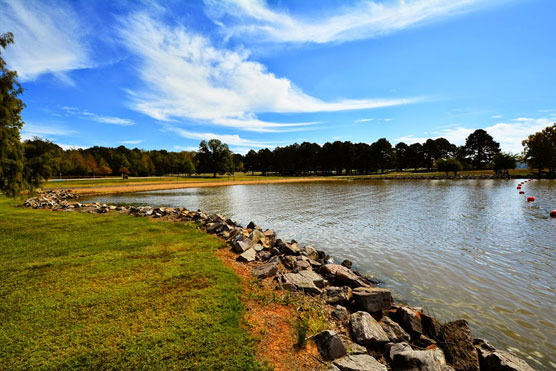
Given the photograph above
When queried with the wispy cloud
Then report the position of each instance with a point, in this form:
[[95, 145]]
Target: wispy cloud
[[185, 76], [509, 134], [132, 142], [230, 139], [362, 20], [48, 39], [73, 111], [496, 116], [31, 130], [364, 120]]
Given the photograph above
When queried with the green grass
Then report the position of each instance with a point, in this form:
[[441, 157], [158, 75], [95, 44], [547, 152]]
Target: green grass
[[116, 181], [115, 292]]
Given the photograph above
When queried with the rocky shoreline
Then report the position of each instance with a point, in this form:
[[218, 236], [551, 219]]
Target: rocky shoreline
[[372, 331]]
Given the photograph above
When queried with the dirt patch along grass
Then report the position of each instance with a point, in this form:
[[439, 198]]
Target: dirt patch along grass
[[116, 292]]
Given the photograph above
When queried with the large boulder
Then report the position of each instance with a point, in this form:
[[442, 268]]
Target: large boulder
[[342, 275], [372, 299], [395, 332], [365, 330], [241, 245], [458, 346], [403, 357], [492, 359], [265, 270], [335, 295], [330, 345], [307, 281], [431, 327], [359, 362], [409, 319]]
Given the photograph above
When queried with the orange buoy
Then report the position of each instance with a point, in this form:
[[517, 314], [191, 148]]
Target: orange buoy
[[530, 199], [521, 192], [553, 214]]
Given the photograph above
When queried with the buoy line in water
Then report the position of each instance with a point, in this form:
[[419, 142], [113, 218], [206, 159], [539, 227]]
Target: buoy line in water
[[531, 199]]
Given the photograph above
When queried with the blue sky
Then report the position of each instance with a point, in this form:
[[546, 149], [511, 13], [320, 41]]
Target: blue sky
[[165, 75]]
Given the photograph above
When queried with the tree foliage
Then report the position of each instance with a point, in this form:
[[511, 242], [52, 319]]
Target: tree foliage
[[13, 177], [215, 157], [503, 161], [480, 148], [540, 149], [449, 165]]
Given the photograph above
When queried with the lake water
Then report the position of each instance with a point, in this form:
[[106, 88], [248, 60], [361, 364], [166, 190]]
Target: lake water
[[472, 249]]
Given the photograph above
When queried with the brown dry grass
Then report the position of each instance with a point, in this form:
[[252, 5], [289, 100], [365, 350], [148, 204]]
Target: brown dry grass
[[160, 186], [272, 323]]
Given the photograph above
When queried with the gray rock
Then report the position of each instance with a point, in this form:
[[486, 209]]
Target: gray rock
[[492, 359], [335, 295], [333, 368], [291, 249], [330, 345], [340, 312], [405, 358], [265, 270], [365, 330], [258, 247], [251, 225], [265, 255], [409, 319], [342, 275], [310, 252], [302, 265], [431, 327], [395, 332], [373, 299], [242, 245], [359, 362], [347, 263], [458, 346], [248, 256], [257, 236], [354, 348], [307, 281]]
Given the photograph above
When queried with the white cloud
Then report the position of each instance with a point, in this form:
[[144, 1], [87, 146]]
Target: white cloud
[[230, 139], [30, 130], [496, 116], [364, 120], [509, 134], [48, 38], [185, 76], [362, 20], [132, 142], [73, 111]]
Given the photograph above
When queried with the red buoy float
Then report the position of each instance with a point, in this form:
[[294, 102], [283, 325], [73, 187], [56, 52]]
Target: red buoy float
[[530, 199], [553, 214], [521, 192]]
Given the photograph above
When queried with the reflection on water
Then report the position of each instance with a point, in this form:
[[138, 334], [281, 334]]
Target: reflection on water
[[470, 249]]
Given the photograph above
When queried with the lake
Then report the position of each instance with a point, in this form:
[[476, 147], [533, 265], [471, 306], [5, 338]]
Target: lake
[[472, 249]]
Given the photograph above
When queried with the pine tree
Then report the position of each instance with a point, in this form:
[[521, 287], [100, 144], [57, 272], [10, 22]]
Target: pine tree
[[12, 159]]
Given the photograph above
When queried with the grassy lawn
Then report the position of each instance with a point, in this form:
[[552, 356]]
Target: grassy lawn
[[113, 181], [115, 292]]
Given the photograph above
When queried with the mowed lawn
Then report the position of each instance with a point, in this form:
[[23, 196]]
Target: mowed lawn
[[115, 292]]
